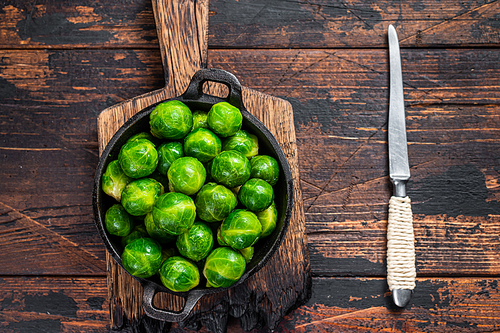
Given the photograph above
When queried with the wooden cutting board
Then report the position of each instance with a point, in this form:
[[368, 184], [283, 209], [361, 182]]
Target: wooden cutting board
[[280, 286]]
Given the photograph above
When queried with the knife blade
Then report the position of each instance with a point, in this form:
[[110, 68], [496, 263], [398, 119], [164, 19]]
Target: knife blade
[[400, 238]]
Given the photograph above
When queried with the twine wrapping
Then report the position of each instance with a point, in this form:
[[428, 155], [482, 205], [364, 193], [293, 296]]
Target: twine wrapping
[[400, 245]]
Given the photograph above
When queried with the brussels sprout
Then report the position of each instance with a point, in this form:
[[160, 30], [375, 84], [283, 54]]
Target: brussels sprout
[[138, 158], [268, 219], [224, 119], [142, 257], [196, 243], [244, 142], [247, 253], [118, 222], [139, 196], [214, 202], [256, 194], [202, 144], [167, 153], [265, 167], [158, 234], [240, 229], [138, 232], [174, 212], [171, 120], [144, 135], [224, 267], [186, 175], [230, 168], [179, 274], [168, 253], [114, 180], [200, 119]]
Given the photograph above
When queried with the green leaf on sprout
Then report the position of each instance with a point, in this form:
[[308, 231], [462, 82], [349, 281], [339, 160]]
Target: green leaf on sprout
[[142, 257], [171, 120], [224, 267], [114, 180], [256, 194], [179, 274], [139, 196], [224, 119], [138, 158]]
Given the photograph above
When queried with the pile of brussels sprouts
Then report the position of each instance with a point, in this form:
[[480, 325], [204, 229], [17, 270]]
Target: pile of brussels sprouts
[[192, 195]]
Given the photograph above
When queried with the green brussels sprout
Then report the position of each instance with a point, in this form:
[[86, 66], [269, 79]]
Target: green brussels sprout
[[168, 253], [224, 119], [200, 119], [167, 153], [230, 168], [138, 158], [197, 242], [265, 167], [139, 196], [224, 267], [142, 257], [171, 120], [240, 229], [186, 175], [214, 202], [144, 135], [202, 144], [256, 194], [158, 234], [118, 222], [114, 180], [174, 212], [138, 232], [179, 274], [247, 253], [244, 142], [268, 219]]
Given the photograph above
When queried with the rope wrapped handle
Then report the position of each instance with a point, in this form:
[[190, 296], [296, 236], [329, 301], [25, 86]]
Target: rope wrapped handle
[[400, 245]]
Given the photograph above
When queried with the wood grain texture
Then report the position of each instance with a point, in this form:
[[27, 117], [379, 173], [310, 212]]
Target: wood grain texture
[[340, 110], [53, 304], [336, 304], [87, 56], [255, 24]]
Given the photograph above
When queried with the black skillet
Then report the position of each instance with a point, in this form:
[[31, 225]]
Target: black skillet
[[197, 100]]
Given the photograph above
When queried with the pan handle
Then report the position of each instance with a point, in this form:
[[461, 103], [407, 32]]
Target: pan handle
[[195, 89], [149, 291]]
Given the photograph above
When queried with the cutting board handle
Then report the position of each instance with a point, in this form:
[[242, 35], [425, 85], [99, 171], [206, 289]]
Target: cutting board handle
[[182, 27], [195, 88]]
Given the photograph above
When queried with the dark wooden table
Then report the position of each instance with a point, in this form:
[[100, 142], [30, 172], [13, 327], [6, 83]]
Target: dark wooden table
[[63, 62]]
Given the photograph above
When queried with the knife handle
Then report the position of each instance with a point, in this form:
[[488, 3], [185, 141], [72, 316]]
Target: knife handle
[[400, 245]]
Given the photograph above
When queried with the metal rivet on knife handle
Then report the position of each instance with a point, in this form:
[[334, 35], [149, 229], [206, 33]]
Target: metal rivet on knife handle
[[400, 239]]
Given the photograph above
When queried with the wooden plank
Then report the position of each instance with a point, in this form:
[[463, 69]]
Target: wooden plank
[[80, 24], [254, 24], [364, 305], [346, 304], [39, 250], [340, 108], [353, 23], [53, 304]]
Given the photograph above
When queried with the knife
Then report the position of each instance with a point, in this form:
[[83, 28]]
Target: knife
[[400, 239]]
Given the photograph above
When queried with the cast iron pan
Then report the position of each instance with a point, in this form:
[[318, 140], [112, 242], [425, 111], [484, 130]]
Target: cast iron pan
[[197, 100]]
